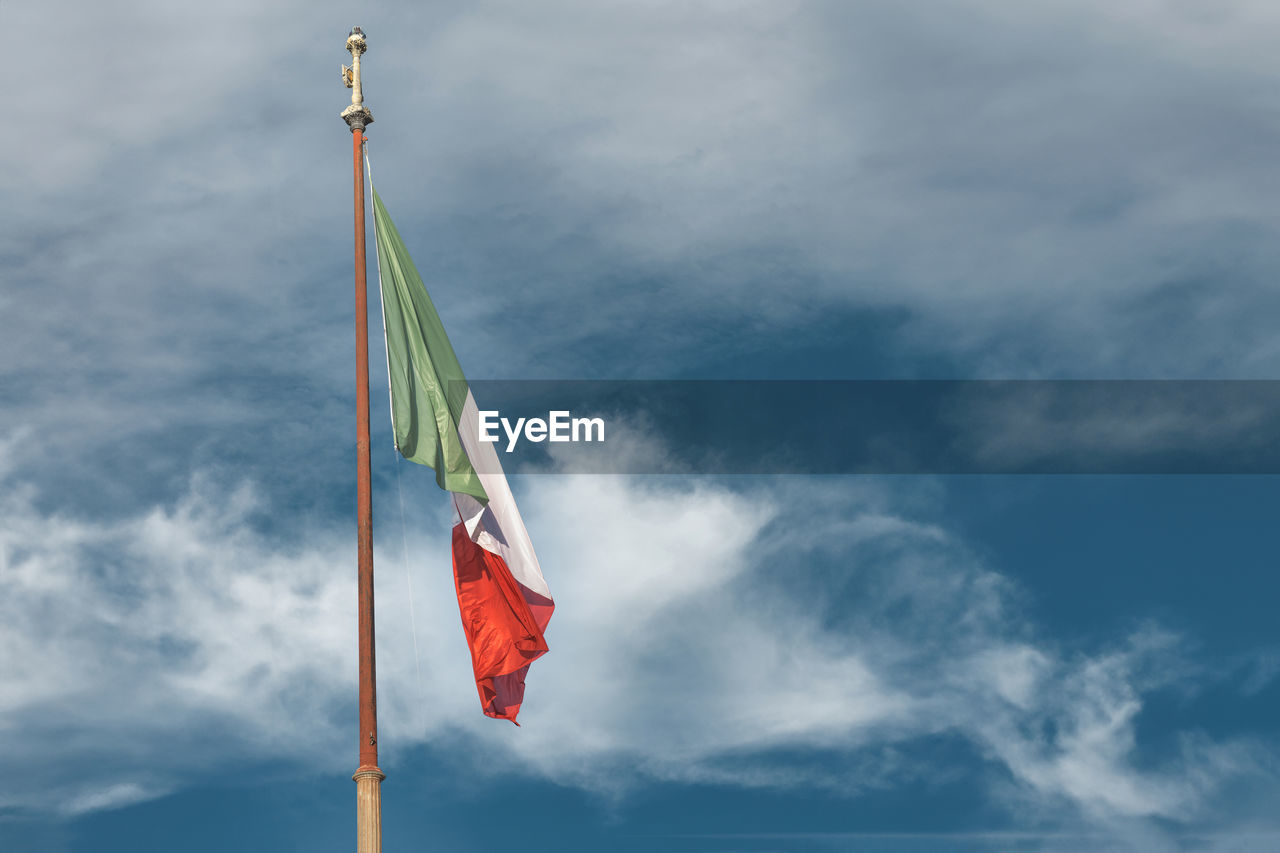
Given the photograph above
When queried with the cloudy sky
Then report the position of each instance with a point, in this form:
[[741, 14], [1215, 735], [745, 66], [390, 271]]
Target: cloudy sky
[[856, 189]]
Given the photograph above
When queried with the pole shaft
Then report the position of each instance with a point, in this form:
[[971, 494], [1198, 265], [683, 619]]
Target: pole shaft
[[368, 776]]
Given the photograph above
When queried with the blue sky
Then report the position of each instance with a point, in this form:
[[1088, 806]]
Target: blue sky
[[657, 190]]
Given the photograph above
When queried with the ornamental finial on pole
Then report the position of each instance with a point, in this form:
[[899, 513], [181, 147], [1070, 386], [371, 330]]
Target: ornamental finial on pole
[[357, 116]]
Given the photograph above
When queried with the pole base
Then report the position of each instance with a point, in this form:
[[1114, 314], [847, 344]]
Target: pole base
[[368, 779]]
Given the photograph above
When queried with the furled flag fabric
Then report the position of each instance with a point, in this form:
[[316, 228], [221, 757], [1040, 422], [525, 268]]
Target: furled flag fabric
[[504, 601]]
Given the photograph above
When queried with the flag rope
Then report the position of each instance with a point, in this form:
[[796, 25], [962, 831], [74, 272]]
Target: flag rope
[[377, 254], [408, 580], [404, 538]]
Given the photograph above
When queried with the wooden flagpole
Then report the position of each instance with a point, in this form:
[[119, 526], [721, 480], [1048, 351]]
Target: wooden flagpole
[[368, 777]]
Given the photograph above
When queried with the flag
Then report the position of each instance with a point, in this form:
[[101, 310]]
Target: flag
[[504, 602]]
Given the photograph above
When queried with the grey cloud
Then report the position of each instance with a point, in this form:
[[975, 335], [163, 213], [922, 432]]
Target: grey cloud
[[1055, 190]]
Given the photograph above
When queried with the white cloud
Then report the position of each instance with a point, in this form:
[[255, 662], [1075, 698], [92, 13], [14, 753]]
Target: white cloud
[[1077, 740], [694, 639], [111, 797]]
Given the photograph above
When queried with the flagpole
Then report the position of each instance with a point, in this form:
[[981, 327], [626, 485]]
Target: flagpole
[[368, 777]]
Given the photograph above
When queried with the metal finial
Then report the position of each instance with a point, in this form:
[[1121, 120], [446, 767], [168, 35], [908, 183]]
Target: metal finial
[[357, 116]]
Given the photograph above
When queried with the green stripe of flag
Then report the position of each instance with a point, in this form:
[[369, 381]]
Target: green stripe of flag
[[428, 388]]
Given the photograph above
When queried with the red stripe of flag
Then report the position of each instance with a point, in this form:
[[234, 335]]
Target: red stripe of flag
[[503, 621]]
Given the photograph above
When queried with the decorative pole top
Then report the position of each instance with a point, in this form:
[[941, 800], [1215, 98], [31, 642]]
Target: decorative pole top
[[357, 116]]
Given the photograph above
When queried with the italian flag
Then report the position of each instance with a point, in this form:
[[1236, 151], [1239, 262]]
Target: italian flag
[[504, 601]]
